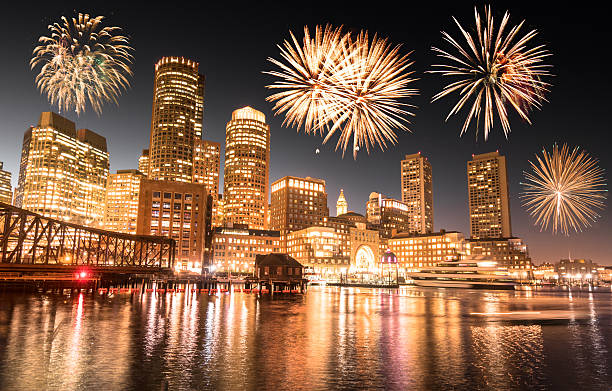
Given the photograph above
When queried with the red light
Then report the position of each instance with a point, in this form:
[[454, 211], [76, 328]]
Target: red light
[[83, 274]]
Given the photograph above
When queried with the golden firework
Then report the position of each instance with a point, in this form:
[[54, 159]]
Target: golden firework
[[497, 70], [335, 81], [564, 190], [82, 62]]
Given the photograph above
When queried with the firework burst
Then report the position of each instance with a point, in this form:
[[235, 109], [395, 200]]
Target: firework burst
[[495, 71], [564, 190], [335, 82], [82, 62]]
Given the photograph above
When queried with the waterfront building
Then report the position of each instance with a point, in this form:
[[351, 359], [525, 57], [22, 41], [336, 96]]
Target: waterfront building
[[176, 210], [511, 253], [236, 246], [297, 203], [143, 162], [341, 204], [278, 268], [319, 249], [176, 123], [122, 194], [6, 189], [417, 192], [577, 270], [545, 272], [387, 214], [417, 251], [365, 247], [247, 165], [63, 171], [488, 196]]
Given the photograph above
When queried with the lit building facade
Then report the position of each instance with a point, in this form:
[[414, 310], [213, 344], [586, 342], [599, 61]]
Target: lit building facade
[[511, 253], [488, 196], [417, 251], [387, 214], [577, 270], [235, 247], [246, 174], [143, 162], [176, 123], [297, 203], [319, 249], [176, 210], [122, 193], [6, 189], [206, 170], [63, 171], [417, 192], [341, 204]]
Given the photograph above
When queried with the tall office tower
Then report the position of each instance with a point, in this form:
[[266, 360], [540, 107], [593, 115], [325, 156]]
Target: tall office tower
[[122, 192], [341, 204], [206, 169], [488, 196], [417, 192], [6, 190], [387, 215], [297, 203], [143, 162], [247, 161], [206, 165], [176, 210], [176, 123], [63, 171]]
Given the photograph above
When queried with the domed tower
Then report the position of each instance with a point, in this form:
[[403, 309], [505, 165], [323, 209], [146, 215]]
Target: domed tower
[[341, 205]]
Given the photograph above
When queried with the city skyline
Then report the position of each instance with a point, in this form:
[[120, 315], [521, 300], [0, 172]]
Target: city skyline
[[293, 154]]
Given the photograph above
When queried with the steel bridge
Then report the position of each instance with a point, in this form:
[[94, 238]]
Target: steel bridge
[[29, 241]]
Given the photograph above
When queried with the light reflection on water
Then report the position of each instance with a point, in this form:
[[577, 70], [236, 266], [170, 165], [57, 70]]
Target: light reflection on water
[[330, 338]]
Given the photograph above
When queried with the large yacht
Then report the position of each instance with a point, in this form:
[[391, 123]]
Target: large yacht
[[465, 273]]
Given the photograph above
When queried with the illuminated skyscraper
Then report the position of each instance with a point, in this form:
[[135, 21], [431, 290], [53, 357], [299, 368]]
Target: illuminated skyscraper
[[488, 196], [176, 124], [122, 191], [6, 191], [297, 203], [246, 176], [63, 171], [206, 170], [341, 204], [417, 192], [143, 162]]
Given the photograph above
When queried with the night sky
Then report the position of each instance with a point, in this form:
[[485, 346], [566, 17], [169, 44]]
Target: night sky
[[232, 42]]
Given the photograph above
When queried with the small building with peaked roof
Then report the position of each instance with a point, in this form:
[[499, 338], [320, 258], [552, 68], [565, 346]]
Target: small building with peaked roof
[[278, 267]]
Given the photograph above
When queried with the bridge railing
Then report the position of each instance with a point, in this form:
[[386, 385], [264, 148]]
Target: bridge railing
[[30, 238]]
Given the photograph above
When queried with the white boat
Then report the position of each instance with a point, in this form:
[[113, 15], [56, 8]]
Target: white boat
[[466, 273]]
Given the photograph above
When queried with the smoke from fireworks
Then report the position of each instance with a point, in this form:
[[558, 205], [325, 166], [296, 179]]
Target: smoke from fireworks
[[495, 71], [564, 189], [82, 62], [341, 82]]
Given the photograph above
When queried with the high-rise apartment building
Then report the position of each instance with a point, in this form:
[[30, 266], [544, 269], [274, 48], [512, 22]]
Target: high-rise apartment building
[[176, 210], [6, 190], [143, 162], [247, 161], [206, 170], [417, 192], [388, 215], [122, 193], [297, 203], [176, 123], [488, 196], [341, 204], [63, 171]]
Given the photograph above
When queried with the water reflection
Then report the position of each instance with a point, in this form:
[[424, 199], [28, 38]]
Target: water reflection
[[330, 338]]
